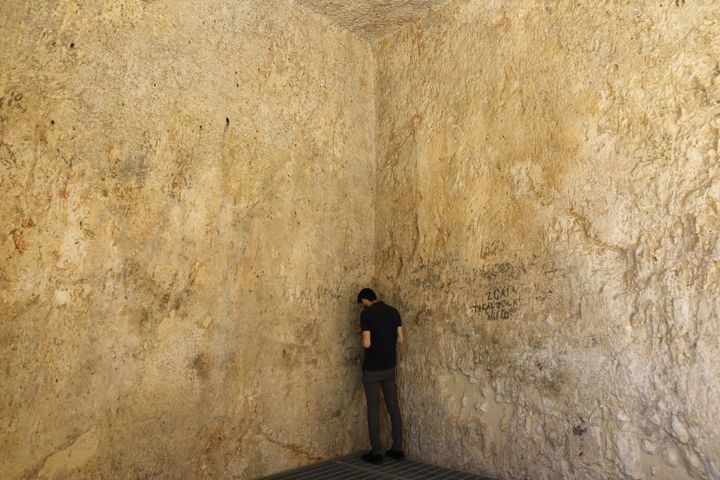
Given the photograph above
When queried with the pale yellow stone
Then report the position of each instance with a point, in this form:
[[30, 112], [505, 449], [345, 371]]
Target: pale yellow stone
[[373, 19], [168, 171], [548, 191], [76, 455], [192, 193]]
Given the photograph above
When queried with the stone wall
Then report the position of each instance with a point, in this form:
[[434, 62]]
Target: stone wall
[[186, 206], [547, 221]]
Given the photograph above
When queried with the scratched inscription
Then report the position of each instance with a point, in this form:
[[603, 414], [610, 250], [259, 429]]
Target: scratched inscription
[[491, 248], [321, 294], [498, 283], [7, 156], [499, 303]]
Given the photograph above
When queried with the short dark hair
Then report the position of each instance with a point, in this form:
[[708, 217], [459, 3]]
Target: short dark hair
[[367, 294]]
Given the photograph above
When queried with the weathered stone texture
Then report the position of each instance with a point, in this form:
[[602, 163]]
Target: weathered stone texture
[[373, 19], [187, 211], [548, 218], [189, 202]]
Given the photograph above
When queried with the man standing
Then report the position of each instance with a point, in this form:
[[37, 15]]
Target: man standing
[[381, 329]]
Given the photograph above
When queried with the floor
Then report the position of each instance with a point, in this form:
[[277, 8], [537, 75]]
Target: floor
[[352, 467]]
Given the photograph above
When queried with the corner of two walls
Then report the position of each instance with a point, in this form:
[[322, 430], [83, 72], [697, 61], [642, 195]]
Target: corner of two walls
[[544, 211], [547, 221]]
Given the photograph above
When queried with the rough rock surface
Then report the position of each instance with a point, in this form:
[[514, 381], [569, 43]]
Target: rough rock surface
[[186, 214], [548, 220], [189, 202], [373, 19]]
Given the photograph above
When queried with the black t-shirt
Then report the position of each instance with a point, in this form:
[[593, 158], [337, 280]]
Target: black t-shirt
[[381, 321]]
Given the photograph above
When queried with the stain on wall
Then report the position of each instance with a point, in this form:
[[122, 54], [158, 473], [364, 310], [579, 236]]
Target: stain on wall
[[187, 213], [547, 219]]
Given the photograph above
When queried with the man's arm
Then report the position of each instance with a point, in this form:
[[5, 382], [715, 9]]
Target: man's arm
[[366, 338], [400, 336], [365, 329]]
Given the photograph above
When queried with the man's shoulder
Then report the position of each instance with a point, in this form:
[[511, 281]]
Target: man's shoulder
[[388, 306], [389, 309]]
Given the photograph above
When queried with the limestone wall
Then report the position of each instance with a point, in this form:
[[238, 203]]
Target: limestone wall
[[187, 213], [547, 221]]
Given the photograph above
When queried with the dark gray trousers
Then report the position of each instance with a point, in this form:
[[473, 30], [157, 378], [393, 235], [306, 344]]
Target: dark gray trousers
[[373, 382]]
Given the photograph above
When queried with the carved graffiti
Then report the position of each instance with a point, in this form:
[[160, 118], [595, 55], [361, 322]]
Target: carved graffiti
[[499, 303]]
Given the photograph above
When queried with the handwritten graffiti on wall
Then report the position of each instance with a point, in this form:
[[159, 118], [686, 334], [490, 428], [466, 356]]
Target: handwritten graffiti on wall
[[491, 248], [499, 303]]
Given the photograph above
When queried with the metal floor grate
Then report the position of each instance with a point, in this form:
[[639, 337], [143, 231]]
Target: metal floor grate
[[351, 467]]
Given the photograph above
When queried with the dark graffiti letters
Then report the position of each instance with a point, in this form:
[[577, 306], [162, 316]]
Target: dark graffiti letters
[[499, 303]]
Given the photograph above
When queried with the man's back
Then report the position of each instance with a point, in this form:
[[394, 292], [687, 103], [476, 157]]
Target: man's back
[[382, 321], [381, 331]]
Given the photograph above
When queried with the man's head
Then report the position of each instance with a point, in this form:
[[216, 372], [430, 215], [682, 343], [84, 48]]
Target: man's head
[[367, 297]]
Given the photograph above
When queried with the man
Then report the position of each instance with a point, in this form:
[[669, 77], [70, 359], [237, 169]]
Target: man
[[381, 331]]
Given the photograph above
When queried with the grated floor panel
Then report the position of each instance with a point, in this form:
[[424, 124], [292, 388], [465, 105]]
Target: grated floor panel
[[351, 467]]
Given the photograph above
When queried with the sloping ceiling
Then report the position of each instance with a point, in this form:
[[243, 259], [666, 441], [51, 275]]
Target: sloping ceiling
[[373, 19]]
